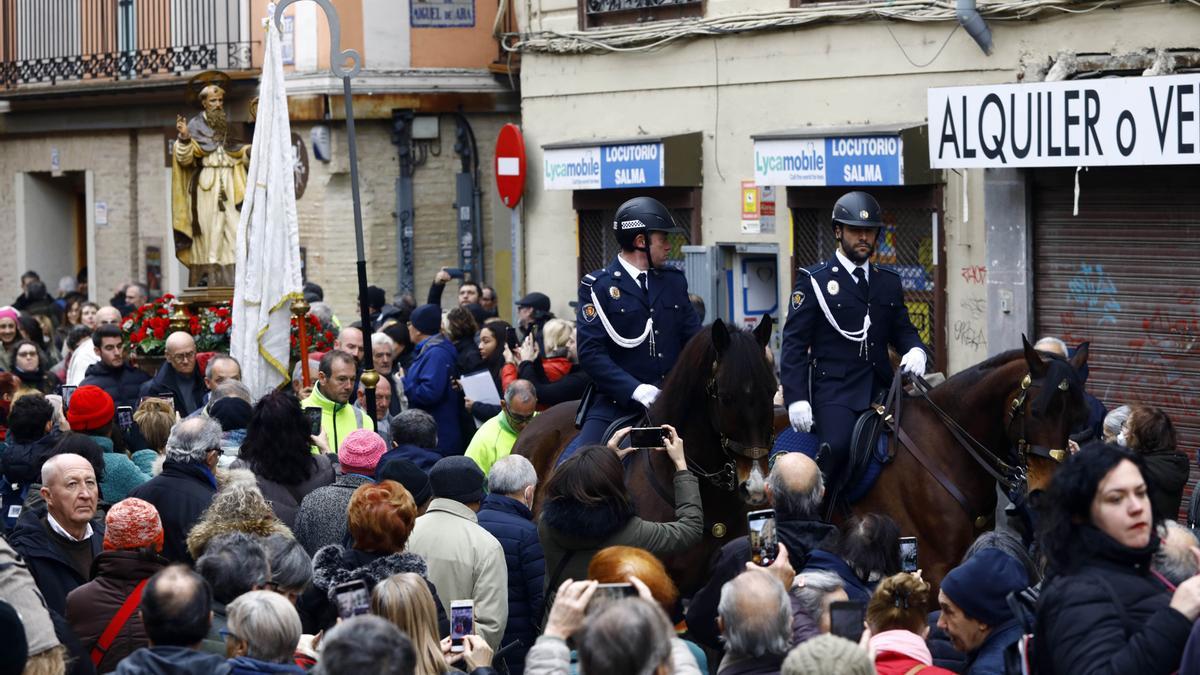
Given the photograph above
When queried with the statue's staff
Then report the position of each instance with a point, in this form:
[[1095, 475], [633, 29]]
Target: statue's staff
[[338, 58]]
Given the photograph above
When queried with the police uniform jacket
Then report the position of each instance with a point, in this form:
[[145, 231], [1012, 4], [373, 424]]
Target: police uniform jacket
[[822, 366], [616, 370]]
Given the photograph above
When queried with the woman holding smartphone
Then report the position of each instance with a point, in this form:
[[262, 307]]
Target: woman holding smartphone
[[587, 508]]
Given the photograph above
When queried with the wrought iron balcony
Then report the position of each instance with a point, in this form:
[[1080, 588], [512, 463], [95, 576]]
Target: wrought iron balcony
[[52, 41], [611, 6]]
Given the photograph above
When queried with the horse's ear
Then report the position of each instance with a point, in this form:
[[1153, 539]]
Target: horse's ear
[[720, 336], [1080, 359], [1037, 365], [762, 332]]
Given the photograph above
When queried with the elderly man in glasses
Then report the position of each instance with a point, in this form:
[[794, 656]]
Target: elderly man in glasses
[[179, 377], [495, 438]]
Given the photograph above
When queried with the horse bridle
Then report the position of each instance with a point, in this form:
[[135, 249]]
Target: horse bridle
[[1007, 475], [725, 478], [1017, 412]]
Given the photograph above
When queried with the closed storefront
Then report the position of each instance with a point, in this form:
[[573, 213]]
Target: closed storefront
[[1122, 275]]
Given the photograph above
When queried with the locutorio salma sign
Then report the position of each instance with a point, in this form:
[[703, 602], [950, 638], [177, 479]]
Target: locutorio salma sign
[[1120, 121]]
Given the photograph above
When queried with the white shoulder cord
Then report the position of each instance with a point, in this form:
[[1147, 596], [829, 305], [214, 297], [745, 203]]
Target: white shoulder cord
[[627, 343], [859, 336]]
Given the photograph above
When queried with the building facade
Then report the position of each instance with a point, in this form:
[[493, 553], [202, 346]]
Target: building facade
[[91, 90], [762, 113]]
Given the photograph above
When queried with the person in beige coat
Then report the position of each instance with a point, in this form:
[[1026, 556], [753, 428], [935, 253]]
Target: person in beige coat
[[465, 561]]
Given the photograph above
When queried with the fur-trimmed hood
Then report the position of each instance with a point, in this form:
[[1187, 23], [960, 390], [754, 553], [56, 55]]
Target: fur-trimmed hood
[[584, 522], [334, 565]]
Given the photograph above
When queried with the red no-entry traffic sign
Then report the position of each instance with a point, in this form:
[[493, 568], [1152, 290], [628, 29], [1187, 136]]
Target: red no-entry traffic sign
[[510, 165]]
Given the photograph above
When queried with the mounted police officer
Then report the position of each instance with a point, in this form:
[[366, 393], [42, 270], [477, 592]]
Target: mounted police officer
[[634, 318], [844, 314]]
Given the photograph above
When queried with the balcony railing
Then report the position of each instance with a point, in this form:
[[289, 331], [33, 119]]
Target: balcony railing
[[610, 6], [52, 41]]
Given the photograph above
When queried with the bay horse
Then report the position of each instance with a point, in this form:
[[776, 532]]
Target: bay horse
[[1018, 406], [718, 396]]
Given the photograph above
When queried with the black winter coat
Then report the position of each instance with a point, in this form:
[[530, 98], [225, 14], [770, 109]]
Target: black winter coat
[[180, 493], [51, 568], [1167, 472], [1110, 615], [167, 380], [123, 384], [21, 465], [511, 523], [334, 565]]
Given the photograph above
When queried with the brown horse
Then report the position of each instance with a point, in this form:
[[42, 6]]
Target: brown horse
[[1019, 406], [718, 396]]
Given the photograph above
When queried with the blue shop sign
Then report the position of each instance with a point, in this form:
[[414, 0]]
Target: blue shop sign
[[830, 161], [623, 166]]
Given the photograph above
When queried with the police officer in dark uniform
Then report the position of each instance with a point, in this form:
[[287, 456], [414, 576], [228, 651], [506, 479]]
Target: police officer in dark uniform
[[844, 314], [633, 319]]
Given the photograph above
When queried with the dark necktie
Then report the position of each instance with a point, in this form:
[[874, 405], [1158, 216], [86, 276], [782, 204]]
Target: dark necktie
[[861, 275], [642, 283]]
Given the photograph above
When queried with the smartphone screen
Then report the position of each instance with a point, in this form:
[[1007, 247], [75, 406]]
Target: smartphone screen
[[846, 619], [510, 334], [352, 598], [647, 437], [462, 622], [615, 591], [313, 415], [764, 542], [67, 390], [908, 554], [125, 417]]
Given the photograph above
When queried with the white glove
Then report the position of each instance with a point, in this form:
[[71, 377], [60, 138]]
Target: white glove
[[800, 415], [645, 394], [913, 362]]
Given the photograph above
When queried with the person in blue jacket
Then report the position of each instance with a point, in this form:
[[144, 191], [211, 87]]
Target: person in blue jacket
[[428, 382], [634, 317], [844, 314]]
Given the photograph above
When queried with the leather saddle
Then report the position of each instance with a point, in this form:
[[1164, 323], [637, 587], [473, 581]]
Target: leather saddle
[[871, 441]]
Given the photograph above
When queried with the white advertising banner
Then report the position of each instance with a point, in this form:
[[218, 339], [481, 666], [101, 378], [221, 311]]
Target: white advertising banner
[[1109, 122], [571, 169]]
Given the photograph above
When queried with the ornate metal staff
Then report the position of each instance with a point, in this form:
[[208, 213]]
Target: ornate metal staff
[[338, 57]]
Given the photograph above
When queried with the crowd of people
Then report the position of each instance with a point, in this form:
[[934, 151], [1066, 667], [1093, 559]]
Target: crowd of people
[[212, 531]]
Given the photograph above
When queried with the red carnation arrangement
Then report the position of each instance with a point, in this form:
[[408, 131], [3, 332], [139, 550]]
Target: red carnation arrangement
[[148, 326], [320, 338]]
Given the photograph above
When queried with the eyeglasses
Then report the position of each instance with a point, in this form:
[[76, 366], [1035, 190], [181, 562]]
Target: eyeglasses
[[225, 635], [182, 356], [519, 419]]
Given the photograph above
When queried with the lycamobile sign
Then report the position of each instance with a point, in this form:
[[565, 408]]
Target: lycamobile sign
[[837, 160], [603, 167]]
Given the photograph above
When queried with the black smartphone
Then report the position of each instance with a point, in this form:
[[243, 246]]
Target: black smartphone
[[454, 272], [647, 437], [352, 598], [313, 415], [125, 417], [67, 390], [510, 335], [908, 554], [846, 619], [462, 622], [764, 541]]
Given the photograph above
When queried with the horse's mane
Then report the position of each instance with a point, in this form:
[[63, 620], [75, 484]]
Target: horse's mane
[[1058, 369], [743, 362]]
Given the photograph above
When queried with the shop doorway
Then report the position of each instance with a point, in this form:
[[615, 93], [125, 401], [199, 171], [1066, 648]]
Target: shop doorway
[[52, 228]]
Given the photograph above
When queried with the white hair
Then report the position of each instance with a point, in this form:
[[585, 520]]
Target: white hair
[[1052, 344], [757, 616], [382, 340], [192, 438], [54, 466], [1115, 420], [268, 623], [511, 474]]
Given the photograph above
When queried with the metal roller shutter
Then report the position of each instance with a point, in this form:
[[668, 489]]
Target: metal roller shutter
[[1124, 274]]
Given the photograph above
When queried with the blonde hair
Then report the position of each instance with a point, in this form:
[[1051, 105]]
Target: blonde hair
[[404, 599], [155, 418], [52, 661], [900, 602], [555, 336]]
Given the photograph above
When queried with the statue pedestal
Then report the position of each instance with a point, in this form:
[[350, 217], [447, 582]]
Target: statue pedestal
[[205, 296]]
